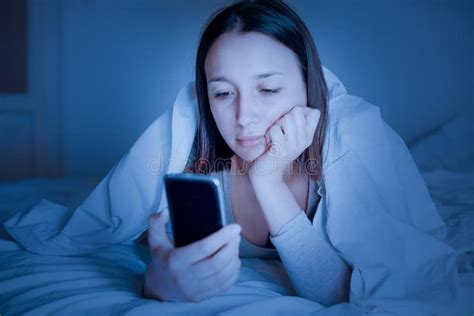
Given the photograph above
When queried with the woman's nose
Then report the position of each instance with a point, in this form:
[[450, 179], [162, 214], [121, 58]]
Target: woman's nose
[[246, 111]]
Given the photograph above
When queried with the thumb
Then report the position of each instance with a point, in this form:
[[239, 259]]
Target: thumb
[[157, 236]]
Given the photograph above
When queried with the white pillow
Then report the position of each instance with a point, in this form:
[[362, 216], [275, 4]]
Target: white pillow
[[449, 146]]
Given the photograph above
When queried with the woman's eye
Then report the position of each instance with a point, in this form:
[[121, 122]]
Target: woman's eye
[[269, 91], [222, 95]]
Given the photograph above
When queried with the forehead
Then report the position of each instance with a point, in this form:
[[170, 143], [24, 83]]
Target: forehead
[[249, 53]]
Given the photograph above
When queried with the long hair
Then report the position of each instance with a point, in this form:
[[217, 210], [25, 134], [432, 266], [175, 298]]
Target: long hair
[[277, 20]]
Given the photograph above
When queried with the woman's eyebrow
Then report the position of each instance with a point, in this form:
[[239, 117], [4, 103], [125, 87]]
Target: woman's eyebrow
[[258, 76], [218, 79], [267, 74]]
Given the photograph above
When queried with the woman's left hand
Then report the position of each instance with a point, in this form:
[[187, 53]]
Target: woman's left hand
[[286, 139]]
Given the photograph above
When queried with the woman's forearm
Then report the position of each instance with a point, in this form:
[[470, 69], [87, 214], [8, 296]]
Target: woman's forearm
[[277, 203], [315, 270]]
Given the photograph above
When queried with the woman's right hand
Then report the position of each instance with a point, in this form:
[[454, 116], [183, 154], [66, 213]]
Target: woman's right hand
[[194, 272]]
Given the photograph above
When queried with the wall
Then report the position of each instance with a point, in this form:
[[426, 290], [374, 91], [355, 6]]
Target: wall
[[31, 143], [124, 63], [412, 58]]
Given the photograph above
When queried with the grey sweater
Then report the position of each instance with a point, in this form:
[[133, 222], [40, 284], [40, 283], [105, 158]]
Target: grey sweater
[[313, 267]]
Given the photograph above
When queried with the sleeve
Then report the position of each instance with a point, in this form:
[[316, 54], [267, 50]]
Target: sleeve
[[315, 270]]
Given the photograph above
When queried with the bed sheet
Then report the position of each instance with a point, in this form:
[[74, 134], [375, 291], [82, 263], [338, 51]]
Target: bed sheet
[[108, 282], [16, 196], [453, 194]]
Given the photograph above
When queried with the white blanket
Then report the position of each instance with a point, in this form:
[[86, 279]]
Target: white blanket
[[107, 282], [376, 212]]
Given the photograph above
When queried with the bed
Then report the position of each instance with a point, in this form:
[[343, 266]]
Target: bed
[[108, 282]]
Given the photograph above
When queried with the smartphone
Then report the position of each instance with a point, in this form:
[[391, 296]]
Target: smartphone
[[196, 206]]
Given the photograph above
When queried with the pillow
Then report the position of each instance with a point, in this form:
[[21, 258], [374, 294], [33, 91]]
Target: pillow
[[449, 146]]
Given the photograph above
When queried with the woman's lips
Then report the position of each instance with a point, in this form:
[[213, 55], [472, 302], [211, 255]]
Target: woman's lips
[[250, 141]]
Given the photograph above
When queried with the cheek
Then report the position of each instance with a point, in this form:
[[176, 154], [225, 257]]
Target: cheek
[[223, 121], [277, 110], [272, 115], [297, 96]]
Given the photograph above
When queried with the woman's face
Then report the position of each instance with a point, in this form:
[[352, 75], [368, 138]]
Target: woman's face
[[252, 81]]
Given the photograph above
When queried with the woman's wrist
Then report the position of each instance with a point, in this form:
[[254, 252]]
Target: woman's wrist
[[147, 291], [266, 182], [277, 203]]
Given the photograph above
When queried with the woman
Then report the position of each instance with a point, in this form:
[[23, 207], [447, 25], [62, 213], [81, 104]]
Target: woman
[[263, 106], [328, 187], [269, 119]]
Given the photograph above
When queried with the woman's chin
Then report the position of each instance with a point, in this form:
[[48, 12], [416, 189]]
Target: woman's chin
[[250, 154]]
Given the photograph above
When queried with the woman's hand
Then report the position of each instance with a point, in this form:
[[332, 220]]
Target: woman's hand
[[194, 272], [286, 139]]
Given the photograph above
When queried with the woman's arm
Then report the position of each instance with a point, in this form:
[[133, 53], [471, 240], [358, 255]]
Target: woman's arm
[[315, 270]]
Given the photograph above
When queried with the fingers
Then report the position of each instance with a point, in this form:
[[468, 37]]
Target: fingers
[[205, 247], [293, 125], [293, 131], [221, 281], [157, 237], [300, 123], [288, 125], [216, 262], [276, 138], [308, 118], [307, 110], [312, 120]]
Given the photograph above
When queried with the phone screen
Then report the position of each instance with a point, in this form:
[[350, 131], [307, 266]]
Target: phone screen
[[194, 202]]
